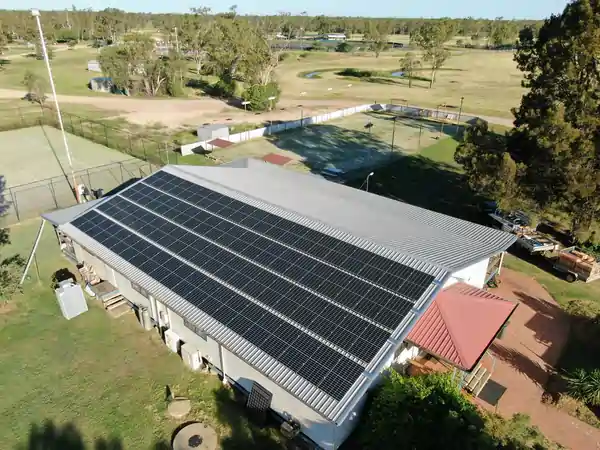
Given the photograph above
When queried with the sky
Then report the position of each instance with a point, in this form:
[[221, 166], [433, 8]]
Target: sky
[[509, 9]]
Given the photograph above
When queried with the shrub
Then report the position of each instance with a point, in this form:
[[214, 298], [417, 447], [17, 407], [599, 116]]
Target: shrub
[[71, 44], [224, 88], [349, 72], [344, 47], [317, 46], [258, 96], [584, 385]]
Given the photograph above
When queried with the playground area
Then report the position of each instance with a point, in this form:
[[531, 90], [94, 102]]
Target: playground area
[[358, 141]]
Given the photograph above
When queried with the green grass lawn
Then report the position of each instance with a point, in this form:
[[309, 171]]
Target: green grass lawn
[[105, 377]]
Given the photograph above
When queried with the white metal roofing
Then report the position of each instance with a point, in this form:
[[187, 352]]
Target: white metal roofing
[[273, 186], [438, 239]]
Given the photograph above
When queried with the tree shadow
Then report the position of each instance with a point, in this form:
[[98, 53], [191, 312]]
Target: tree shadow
[[51, 436], [323, 145], [523, 364], [244, 434]]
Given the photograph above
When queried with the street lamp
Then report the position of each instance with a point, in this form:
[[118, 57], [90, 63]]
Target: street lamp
[[367, 180], [462, 99], [36, 13]]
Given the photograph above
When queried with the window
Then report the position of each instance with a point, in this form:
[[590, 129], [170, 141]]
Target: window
[[194, 328], [137, 288]]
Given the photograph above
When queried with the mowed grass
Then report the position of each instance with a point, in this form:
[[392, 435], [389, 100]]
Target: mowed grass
[[69, 69], [489, 81], [106, 377]]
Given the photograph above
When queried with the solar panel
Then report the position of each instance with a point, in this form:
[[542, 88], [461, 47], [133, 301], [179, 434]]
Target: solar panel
[[259, 402], [312, 360], [277, 293], [345, 289], [375, 268]]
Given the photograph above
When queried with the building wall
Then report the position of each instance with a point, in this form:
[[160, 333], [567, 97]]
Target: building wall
[[473, 275], [316, 427], [129, 293]]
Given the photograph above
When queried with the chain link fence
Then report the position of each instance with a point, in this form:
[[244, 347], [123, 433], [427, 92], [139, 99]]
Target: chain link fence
[[27, 201], [133, 144]]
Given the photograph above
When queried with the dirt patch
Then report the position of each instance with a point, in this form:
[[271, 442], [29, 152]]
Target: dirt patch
[[7, 307]]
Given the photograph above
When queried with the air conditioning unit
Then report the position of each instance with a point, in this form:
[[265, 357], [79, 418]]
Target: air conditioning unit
[[191, 356], [172, 340]]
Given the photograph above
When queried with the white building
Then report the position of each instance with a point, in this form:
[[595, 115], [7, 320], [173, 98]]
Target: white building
[[333, 37], [305, 287]]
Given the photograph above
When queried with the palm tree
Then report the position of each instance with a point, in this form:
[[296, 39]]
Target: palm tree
[[409, 65], [584, 385]]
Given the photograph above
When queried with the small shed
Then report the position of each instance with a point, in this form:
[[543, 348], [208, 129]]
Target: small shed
[[93, 66], [102, 84], [211, 131]]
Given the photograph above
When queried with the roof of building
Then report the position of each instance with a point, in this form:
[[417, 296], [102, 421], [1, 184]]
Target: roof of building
[[61, 216], [221, 143], [278, 160], [251, 232], [435, 238], [460, 324]]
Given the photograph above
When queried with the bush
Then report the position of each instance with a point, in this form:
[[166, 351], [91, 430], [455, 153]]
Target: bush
[[317, 46], [224, 88], [344, 47], [349, 72], [258, 96], [584, 385]]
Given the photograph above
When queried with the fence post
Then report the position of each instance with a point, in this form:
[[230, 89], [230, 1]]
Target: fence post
[[71, 121], [53, 193], [81, 126], [144, 148], [167, 153], [87, 171], [106, 135], [14, 202], [20, 115], [121, 170], [130, 145]]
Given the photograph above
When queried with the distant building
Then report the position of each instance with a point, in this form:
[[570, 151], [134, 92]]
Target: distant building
[[333, 37]]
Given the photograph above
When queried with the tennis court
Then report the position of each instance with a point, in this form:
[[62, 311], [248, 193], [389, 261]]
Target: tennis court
[[353, 142], [38, 153]]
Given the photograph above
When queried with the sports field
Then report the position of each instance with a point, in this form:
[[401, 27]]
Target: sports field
[[346, 144], [38, 153]]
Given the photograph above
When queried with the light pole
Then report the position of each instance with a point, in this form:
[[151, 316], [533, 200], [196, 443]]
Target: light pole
[[36, 13], [301, 115], [367, 180]]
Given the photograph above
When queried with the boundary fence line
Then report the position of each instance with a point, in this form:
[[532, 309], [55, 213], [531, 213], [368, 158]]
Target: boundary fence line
[[409, 111]]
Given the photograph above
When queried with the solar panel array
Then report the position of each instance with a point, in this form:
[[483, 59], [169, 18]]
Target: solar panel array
[[320, 306]]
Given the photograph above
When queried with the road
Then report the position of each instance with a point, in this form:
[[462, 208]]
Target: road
[[176, 113]]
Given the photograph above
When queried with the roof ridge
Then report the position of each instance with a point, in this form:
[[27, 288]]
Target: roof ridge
[[449, 330]]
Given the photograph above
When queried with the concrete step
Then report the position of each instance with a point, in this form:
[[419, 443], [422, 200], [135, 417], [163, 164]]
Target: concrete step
[[120, 310], [118, 300]]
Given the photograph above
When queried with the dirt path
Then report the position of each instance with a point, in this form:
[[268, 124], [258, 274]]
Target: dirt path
[[526, 355], [193, 112]]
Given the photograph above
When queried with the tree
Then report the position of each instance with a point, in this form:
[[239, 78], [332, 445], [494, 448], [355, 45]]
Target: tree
[[39, 51], [378, 35], [10, 266], [557, 126], [343, 47], [378, 46], [489, 167], [404, 411], [501, 32], [36, 87], [196, 35], [431, 37], [409, 64]]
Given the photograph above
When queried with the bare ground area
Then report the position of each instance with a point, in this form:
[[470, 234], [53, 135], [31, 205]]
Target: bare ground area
[[181, 112]]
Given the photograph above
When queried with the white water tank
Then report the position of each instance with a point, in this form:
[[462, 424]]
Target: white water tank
[[191, 356], [70, 299]]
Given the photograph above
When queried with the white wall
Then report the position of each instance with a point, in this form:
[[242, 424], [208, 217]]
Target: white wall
[[208, 347], [127, 291], [316, 427], [473, 275]]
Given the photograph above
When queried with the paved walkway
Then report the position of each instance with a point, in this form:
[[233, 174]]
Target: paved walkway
[[525, 355]]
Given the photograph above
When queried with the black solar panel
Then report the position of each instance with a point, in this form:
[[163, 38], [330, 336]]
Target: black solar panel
[[377, 269], [312, 360], [277, 293], [384, 307]]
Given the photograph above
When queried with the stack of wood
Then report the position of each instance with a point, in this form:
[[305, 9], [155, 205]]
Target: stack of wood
[[89, 274], [579, 259]]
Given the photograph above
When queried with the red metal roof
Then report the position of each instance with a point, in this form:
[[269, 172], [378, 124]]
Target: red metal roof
[[221, 143], [460, 324], [276, 159]]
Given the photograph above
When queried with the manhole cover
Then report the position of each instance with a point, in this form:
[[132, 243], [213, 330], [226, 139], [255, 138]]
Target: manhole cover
[[195, 436]]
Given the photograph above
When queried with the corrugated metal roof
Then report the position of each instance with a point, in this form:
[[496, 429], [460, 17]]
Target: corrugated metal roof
[[431, 237], [270, 367], [60, 216], [460, 324]]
